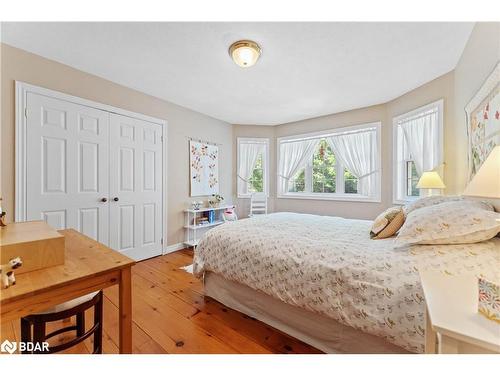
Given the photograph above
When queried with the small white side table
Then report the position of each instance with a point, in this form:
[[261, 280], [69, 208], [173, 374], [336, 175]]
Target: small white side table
[[453, 324]]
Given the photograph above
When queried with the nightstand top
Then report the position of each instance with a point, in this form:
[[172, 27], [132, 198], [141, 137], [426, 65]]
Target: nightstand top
[[452, 303]]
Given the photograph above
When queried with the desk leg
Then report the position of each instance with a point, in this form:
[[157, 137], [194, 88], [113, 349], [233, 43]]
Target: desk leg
[[125, 312], [430, 335]]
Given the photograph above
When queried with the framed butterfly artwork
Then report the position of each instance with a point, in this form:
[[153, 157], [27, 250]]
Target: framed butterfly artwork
[[204, 168]]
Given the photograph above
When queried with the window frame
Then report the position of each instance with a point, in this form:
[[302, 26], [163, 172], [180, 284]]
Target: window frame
[[399, 170], [265, 163], [376, 197]]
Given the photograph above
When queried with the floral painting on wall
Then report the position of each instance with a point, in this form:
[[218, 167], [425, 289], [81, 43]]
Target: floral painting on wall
[[483, 121], [204, 168]]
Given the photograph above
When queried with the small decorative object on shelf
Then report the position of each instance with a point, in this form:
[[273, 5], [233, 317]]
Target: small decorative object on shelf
[[489, 299], [215, 200], [7, 272], [196, 205]]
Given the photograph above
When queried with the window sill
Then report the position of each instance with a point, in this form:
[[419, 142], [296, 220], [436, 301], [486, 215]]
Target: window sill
[[332, 197]]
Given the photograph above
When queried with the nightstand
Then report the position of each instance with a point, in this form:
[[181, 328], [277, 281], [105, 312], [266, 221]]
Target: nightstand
[[453, 324]]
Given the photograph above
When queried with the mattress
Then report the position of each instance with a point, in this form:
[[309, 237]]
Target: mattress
[[331, 267]]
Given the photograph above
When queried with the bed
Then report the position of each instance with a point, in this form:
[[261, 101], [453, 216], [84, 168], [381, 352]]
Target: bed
[[323, 280]]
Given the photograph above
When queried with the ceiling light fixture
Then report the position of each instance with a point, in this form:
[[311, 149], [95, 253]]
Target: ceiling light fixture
[[245, 53]]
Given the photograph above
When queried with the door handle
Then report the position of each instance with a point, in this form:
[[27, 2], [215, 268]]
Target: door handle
[[104, 200], [116, 199]]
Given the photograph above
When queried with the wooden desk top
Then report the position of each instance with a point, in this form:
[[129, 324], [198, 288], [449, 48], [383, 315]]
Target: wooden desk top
[[452, 304], [84, 258]]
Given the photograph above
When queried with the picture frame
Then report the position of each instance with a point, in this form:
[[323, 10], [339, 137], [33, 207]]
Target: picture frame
[[204, 168], [483, 121]]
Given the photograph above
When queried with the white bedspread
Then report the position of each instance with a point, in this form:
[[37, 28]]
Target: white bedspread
[[329, 265]]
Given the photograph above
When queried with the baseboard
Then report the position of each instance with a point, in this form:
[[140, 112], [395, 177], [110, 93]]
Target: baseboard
[[175, 247]]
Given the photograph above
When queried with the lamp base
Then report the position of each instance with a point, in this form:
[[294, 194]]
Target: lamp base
[[430, 192]]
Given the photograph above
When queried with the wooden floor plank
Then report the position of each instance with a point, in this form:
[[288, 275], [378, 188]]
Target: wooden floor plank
[[171, 315], [265, 335], [219, 329]]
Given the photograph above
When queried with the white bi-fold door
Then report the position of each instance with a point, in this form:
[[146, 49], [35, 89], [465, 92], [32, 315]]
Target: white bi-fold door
[[95, 171], [135, 185]]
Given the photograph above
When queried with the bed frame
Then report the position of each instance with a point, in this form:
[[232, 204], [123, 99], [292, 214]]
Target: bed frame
[[323, 333]]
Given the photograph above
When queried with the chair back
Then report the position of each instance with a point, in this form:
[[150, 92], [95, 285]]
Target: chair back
[[258, 204]]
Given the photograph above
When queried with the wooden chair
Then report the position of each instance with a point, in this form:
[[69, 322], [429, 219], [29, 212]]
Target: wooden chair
[[258, 204], [75, 307]]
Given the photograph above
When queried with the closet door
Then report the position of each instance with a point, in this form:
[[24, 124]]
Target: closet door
[[135, 187], [67, 165]]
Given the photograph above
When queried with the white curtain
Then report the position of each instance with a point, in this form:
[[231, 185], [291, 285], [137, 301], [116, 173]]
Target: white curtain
[[358, 153], [421, 134], [248, 155], [294, 156]]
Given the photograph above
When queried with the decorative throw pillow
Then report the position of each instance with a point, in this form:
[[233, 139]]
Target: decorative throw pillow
[[459, 222], [387, 223]]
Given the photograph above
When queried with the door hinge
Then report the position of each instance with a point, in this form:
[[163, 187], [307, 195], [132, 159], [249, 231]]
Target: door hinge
[[161, 137], [26, 112], [161, 241]]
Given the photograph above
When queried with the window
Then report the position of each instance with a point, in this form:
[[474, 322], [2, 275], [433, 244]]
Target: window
[[326, 165], [324, 173], [350, 182], [297, 183], [411, 179], [256, 180], [418, 147], [252, 168]]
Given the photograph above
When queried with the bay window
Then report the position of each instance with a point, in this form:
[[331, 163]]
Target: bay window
[[339, 164]]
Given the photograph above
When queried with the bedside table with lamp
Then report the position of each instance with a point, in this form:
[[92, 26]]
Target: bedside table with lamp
[[463, 311]]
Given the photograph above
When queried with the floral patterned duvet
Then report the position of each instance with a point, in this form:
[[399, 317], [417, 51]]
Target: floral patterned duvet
[[330, 266]]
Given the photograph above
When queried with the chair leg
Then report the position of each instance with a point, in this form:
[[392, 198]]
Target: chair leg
[[98, 321], [80, 324], [38, 333], [25, 333]]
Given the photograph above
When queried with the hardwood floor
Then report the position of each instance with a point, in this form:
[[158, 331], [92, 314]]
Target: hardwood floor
[[171, 315]]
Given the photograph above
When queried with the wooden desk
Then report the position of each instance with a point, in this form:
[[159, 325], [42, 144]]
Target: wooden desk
[[453, 324], [89, 266]]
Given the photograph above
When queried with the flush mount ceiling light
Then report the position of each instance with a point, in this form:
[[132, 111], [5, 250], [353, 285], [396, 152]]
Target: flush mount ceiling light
[[245, 53]]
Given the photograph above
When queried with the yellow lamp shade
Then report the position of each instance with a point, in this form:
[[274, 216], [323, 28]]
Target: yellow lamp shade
[[486, 182], [430, 180]]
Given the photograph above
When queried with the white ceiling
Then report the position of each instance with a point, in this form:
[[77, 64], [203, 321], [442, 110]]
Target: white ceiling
[[306, 69]]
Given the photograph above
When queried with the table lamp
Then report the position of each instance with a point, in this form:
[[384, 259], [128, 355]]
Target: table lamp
[[431, 182]]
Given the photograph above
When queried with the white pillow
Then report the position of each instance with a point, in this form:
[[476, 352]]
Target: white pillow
[[438, 199], [455, 222]]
